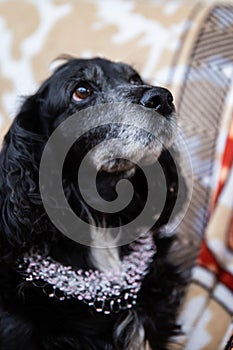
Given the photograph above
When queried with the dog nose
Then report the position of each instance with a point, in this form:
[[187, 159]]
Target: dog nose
[[159, 99]]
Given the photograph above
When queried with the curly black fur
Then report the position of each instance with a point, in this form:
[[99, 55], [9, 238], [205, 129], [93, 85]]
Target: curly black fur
[[29, 319]]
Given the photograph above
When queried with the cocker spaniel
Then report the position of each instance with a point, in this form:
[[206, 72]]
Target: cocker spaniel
[[97, 282]]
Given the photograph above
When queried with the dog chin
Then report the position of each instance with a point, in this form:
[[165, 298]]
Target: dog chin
[[126, 166], [117, 166]]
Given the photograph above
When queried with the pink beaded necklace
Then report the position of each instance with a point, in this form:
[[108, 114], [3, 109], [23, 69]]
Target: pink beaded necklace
[[107, 291]]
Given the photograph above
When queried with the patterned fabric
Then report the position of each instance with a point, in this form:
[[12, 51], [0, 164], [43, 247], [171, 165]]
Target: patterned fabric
[[206, 118], [186, 46]]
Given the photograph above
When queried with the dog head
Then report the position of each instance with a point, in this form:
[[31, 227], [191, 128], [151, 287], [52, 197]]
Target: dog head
[[82, 84], [116, 148]]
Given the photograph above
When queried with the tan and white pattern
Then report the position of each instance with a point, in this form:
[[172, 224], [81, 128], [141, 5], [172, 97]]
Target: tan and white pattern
[[33, 33], [184, 45]]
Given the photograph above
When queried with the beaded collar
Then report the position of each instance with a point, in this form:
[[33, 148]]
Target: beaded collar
[[107, 291]]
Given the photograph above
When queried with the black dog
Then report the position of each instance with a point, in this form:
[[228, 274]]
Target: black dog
[[57, 293]]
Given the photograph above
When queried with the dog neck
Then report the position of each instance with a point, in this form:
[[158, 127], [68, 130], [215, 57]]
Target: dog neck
[[104, 259], [109, 290]]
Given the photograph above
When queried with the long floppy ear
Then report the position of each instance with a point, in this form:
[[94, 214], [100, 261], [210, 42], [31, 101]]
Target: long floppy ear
[[19, 162]]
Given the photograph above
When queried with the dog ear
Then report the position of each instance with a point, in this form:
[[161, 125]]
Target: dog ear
[[19, 163]]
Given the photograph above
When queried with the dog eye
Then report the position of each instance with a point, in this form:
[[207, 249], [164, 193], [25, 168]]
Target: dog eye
[[82, 91], [135, 80]]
